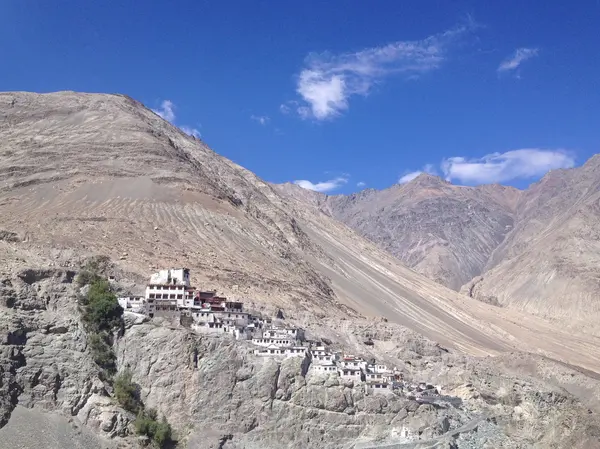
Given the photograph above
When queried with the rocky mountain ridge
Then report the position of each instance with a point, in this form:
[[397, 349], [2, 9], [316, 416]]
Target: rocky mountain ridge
[[534, 250], [89, 174]]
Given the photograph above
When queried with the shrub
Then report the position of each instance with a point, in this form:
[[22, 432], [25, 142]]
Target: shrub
[[101, 315], [97, 264], [163, 432], [147, 424], [102, 311], [126, 392], [86, 277], [102, 352]]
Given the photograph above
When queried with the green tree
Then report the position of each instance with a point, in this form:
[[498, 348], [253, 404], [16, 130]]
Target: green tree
[[102, 351], [163, 432], [86, 277], [126, 391], [147, 424], [102, 310]]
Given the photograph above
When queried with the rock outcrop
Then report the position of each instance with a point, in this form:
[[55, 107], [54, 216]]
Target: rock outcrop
[[45, 361]]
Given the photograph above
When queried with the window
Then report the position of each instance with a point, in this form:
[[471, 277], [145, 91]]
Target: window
[[179, 296]]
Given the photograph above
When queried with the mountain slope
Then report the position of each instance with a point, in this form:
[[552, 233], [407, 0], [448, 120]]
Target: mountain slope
[[88, 174], [534, 250], [446, 232], [549, 264]]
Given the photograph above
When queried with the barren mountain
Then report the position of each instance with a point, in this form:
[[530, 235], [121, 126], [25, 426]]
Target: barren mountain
[[90, 174], [534, 250], [446, 232], [549, 263]]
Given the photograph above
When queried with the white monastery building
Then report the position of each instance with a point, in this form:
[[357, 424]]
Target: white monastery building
[[170, 294]]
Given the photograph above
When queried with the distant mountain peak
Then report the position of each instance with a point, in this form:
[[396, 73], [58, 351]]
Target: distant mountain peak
[[428, 180]]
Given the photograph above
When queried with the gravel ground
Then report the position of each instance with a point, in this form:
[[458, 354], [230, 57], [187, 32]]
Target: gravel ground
[[34, 429]]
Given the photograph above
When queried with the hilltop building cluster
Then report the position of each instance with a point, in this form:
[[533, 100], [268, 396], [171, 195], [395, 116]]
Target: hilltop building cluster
[[170, 294]]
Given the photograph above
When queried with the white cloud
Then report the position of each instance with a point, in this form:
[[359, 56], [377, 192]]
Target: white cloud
[[166, 110], [361, 184], [324, 186], [503, 167], [516, 59], [328, 81], [412, 175], [262, 119], [191, 131]]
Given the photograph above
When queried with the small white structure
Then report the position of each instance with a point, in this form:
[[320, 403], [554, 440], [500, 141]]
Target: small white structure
[[280, 337], [350, 373], [383, 369], [137, 304], [352, 362], [328, 369], [270, 350], [172, 276], [279, 342], [379, 386], [321, 355], [296, 351], [284, 332]]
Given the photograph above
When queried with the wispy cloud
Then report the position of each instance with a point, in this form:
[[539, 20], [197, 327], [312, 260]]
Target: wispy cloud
[[323, 186], [407, 177], [167, 112], [503, 167], [262, 119], [328, 81], [513, 62], [361, 184], [191, 131], [286, 108]]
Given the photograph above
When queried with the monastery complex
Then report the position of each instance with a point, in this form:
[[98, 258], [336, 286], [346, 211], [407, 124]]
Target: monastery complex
[[170, 294]]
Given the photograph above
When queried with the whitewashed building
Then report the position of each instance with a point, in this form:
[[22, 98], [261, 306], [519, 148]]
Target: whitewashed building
[[281, 337], [321, 355], [172, 276], [284, 332], [352, 362], [327, 368], [355, 374], [137, 304]]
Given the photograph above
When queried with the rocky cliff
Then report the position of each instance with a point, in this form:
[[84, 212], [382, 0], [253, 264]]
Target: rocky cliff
[[217, 394]]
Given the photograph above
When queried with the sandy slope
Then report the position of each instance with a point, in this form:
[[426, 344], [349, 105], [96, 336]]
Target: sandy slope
[[85, 174]]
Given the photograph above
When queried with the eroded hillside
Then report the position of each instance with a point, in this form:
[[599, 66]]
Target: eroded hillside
[[534, 250], [90, 174]]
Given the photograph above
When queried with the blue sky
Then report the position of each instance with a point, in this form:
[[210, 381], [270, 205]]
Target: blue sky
[[336, 95]]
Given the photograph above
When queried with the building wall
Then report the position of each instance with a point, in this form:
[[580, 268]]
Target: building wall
[[180, 276], [361, 364], [165, 292], [136, 305], [331, 369], [272, 341], [347, 374]]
